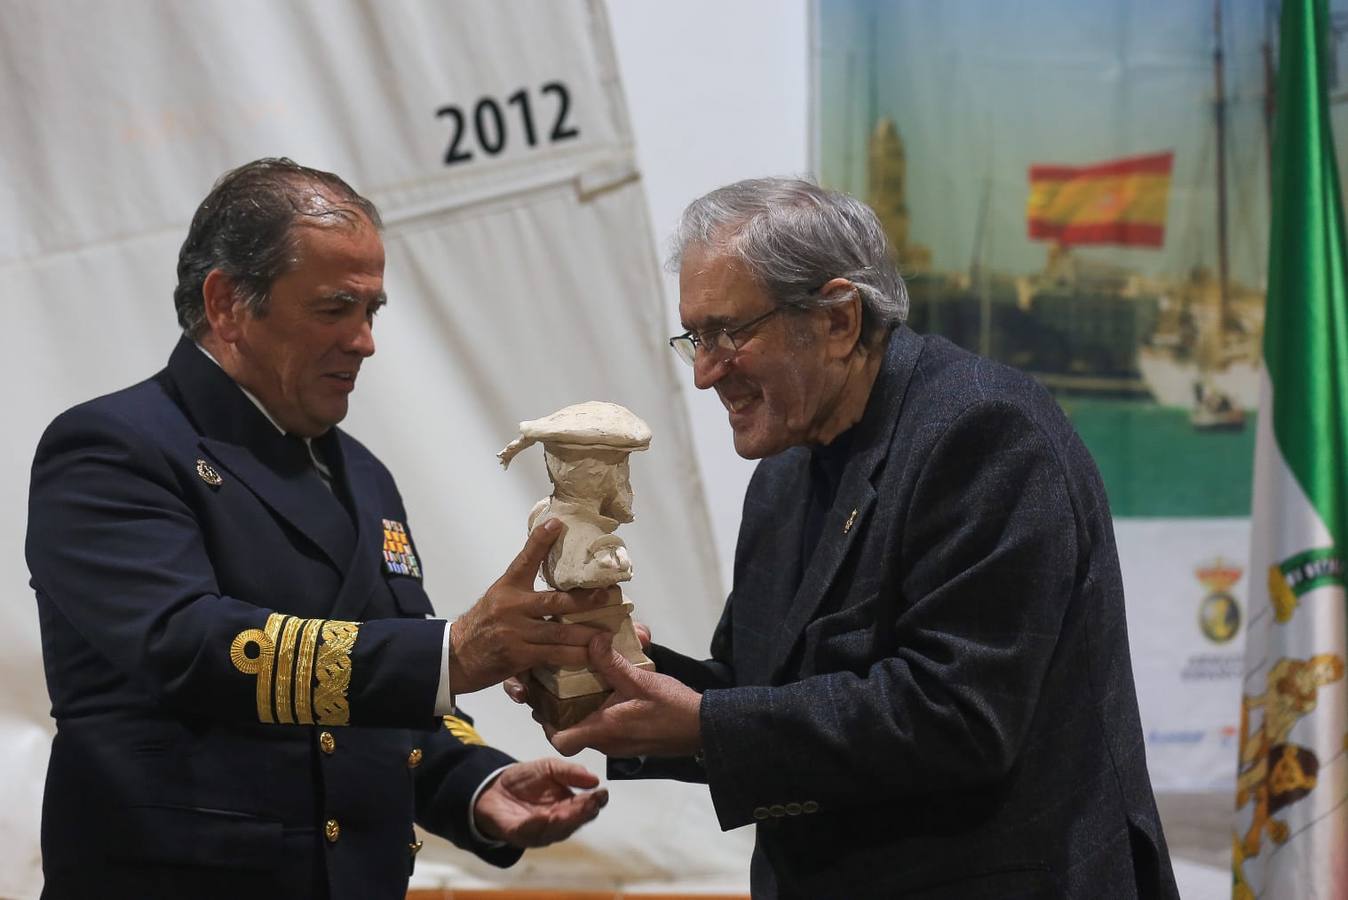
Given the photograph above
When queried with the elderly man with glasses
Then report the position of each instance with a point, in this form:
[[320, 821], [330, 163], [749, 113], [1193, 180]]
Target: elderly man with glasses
[[921, 681]]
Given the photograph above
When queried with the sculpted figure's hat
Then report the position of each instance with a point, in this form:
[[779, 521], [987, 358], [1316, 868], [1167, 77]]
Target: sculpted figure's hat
[[591, 424]]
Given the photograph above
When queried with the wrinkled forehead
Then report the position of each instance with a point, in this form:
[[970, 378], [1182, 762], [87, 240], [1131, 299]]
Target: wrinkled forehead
[[705, 265], [717, 289]]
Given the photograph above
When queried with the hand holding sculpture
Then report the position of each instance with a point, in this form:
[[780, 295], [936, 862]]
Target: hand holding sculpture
[[506, 631], [647, 714]]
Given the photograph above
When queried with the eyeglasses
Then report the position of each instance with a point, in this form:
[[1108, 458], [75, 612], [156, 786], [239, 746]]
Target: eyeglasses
[[719, 343]]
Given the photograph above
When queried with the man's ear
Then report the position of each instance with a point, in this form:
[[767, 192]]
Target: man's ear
[[843, 316], [224, 310]]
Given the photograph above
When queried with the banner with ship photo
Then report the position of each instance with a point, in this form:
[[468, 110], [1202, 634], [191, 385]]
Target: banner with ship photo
[[1081, 190]]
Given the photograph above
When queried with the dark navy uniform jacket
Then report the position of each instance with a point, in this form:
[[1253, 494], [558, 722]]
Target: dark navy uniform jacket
[[240, 669]]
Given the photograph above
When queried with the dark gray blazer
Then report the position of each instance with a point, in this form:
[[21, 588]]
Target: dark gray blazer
[[943, 705]]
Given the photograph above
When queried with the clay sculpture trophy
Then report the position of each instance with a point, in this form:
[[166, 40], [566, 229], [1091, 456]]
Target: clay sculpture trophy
[[585, 448]]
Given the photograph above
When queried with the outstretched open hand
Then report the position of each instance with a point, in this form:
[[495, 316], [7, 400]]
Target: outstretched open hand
[[533, 804]]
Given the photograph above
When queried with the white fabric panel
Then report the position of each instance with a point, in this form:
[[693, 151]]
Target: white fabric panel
[[116, 112], [519, 282]]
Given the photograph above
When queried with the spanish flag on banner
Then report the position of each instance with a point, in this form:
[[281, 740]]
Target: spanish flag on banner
[[1118, 202]]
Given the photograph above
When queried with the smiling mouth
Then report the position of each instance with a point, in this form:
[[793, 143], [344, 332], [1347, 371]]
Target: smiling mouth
[[738, 404]]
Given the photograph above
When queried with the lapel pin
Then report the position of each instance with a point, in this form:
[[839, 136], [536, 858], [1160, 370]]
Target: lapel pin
[[847, 526], [207, 473]]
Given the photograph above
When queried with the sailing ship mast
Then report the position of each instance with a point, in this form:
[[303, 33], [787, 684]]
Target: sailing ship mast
[[1219, 112]]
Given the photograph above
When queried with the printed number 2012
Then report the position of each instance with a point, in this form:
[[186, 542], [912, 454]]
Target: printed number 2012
[[489, 122]]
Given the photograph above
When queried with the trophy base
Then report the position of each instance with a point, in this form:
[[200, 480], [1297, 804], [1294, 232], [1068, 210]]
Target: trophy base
[[562, 712]]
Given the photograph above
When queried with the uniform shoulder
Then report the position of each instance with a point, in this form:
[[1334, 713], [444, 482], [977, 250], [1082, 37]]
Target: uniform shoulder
[[142, 407]]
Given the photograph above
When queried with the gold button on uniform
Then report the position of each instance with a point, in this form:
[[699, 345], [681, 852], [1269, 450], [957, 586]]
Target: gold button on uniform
[[777, 810], [793, 809], [326, 742], [414, 848], [414, 758], [332, 831], [761, 813], [809, 806]]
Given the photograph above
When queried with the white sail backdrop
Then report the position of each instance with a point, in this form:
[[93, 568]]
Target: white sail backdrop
[[495, 139]]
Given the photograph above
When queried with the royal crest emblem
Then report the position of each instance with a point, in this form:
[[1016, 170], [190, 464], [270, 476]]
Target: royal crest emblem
[[1219, 612]]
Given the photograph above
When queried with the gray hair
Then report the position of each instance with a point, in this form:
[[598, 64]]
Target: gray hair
[[246, 228], [795, 237]]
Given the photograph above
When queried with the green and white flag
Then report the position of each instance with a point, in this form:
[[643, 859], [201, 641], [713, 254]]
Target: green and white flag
[[1291, 834]]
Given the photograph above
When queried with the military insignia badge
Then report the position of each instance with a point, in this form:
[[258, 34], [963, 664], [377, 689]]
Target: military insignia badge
[[398, 556], [206, 472]]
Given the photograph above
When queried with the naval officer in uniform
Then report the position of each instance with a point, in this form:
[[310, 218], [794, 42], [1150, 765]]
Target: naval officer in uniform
[[249, 697]]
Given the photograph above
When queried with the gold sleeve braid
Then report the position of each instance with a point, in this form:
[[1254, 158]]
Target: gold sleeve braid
[[333, 672], [285, 666], [304, 672], [259, 665], [320, 674]]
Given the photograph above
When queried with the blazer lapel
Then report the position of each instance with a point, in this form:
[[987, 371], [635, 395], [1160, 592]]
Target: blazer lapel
[[768, 572], [849, 516], [843, 522], [237, 436], [362, 569], [296, 495]]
